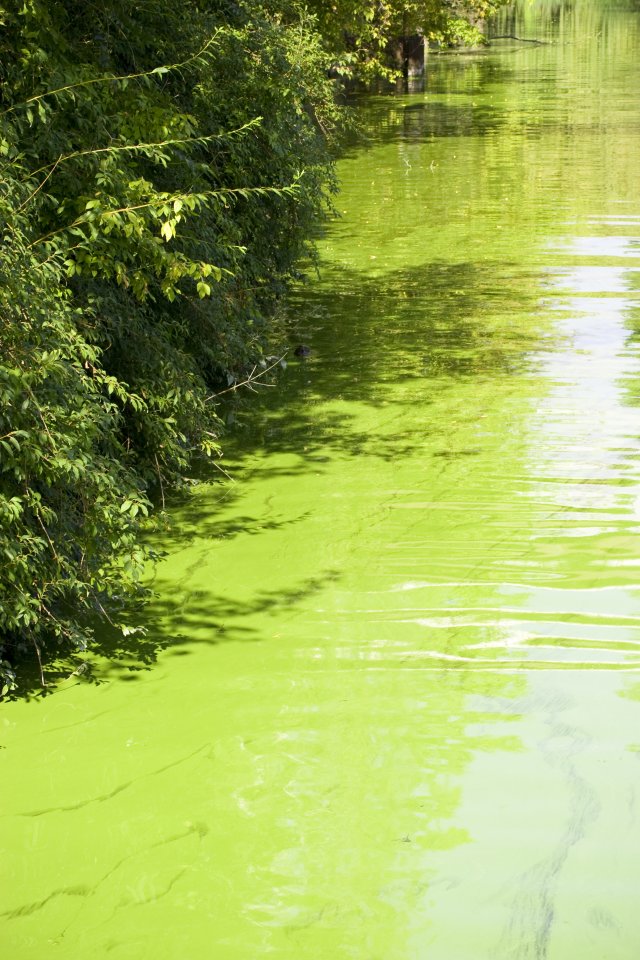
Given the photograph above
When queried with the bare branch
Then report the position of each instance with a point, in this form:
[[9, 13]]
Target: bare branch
[[250, 379]]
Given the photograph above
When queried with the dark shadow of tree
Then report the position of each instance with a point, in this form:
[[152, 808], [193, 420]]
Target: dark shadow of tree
[[169, 623], [376, 338], [421, 328], [384, 119]]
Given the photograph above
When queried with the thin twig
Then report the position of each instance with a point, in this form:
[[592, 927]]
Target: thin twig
[[130, 76], [250, 379], [46, 533], [159, 479], [511, 36], [104, 612], [222, 470], [37, 649], [39, 188]]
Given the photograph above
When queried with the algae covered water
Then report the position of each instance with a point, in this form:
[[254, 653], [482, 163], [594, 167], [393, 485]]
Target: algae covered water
[[390, 704]]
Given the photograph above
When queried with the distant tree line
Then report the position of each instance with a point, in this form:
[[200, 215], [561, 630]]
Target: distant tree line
[[162, 168]]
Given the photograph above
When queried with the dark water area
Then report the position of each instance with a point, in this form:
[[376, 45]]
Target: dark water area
[[394, 710]]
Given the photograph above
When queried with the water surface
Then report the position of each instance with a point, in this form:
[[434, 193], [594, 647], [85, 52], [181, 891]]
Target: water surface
[[394, 713]]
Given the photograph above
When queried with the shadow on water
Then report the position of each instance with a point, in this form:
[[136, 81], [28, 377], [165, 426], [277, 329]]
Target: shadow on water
[[169, 622], [430, 119], [383, 338], [418, 120], [391, 342], [386, 341], [351, 807], [194, 519], [420, 117]]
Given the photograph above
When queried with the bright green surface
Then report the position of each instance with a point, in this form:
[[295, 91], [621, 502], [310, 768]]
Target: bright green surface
[[396, 716]]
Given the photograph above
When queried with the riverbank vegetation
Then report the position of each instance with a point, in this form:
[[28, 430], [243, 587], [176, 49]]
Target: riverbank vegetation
[[162, 169]]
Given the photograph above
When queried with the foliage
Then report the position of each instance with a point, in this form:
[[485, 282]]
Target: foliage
[[70, 504], [362, 33], [161, 169]]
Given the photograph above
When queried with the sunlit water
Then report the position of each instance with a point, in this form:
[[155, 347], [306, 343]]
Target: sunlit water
[[394, 713]]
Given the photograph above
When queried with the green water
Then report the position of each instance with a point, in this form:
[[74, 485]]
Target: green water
[[390, 709]]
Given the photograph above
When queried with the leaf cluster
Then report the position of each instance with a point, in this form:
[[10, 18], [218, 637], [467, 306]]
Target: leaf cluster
[[363, 34], [69, 541], [162, 167]]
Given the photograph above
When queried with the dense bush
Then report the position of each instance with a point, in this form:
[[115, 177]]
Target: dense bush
[[70, 503], [364, 35], [161, 167]]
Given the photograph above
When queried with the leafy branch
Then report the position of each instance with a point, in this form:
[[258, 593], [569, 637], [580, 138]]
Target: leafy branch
[[164, 202], [125, 78], [148, 147]]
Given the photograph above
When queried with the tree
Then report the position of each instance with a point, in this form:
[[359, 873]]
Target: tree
[[161, 168], [361, 33]]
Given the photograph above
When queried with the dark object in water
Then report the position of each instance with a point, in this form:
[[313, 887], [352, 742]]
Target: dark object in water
[[302, 350]]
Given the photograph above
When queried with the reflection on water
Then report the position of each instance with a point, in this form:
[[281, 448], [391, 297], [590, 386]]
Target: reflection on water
[[387, 705]]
